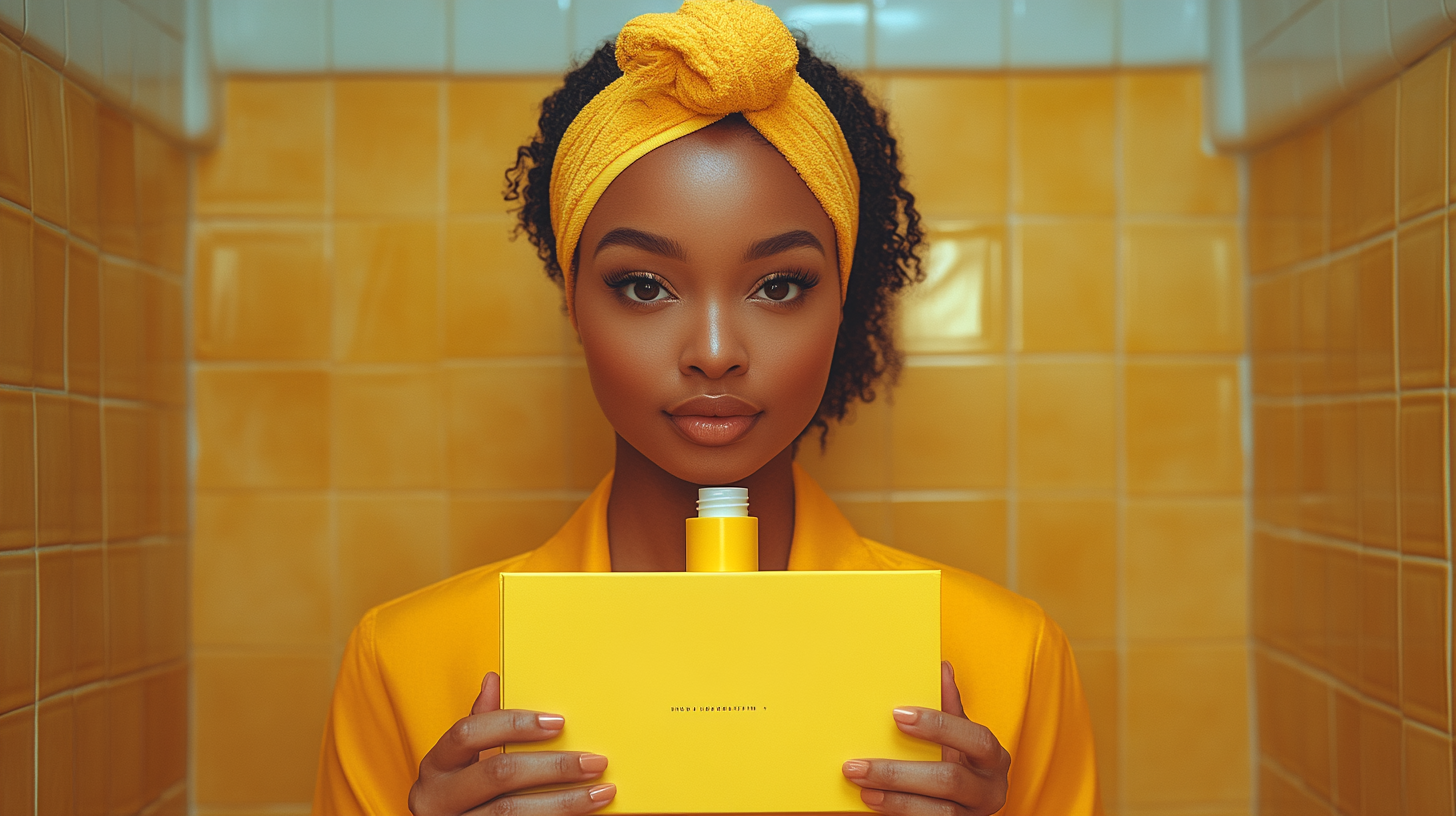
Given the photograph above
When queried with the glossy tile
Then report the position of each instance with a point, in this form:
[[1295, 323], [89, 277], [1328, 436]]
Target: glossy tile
[[377, 35], [386, 291], [968, 535], [1427, 779], [262, 428], [489, 120], [162, 201], [1054, 175], [1275, 318], [165, 697], [1066, 560], [1346, 754], [480, 400], [1423, 490], [1066, 285], [485, 530], [1375, 318], [1156, 33], [123, 330], [17, 299], [1379, 622], [837, 30], [1380, 759], [15, 134], [512, 37], [125, 590], [17, 623], [857, 453], [83, 163], [47, 142], [116, 200], [261, 294], [1066, 425], [1276, 464], [1424, 639], [1378, 462], [1312, 349], [85, 471], [1288, 200], [1061, 33], [125, 728], [386, 429], [1415, 26], [88, 596], [1294, 721], [968, 453], [1164, 165], [1098, 670], [601, 20], [53, 469], [56, 757], [1422, 296], [1182, 288], [1185, 569], [1182, 432], [1364, 45], [1343, 295], [917, 34], [48, 271], [93, 751], [1342, 573], [952, 133], [960, 305], [270, 36], [498, 300], [387, 546], [1423, 139], [394, 171], [272, 158], [1362, 167], [55, 611], [591, 444], [17, 760], [17, 463]]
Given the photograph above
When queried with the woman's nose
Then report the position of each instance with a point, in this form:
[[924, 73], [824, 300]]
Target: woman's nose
[[715, 346]]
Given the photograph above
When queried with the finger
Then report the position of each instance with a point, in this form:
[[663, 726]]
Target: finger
[[504, 774], [489, 697], [909, 804], [568, 802], [976, 743], [941, 780], [950, 694], [462, 744]]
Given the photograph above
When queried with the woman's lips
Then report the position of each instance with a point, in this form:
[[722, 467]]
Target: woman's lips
[[714, 421]]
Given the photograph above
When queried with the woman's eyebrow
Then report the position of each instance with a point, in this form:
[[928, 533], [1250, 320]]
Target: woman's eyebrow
[[645, 241], [783, 243]]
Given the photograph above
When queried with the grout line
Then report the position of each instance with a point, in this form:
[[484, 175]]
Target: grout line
[[1119, 414]]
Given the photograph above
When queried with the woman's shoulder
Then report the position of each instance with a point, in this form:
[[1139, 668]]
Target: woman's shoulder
[[462, 597]]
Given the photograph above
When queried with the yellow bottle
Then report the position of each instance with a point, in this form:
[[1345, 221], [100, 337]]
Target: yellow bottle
[[723, 538]]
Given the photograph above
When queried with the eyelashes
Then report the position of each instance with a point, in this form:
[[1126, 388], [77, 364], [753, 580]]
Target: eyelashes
[[641, 287]]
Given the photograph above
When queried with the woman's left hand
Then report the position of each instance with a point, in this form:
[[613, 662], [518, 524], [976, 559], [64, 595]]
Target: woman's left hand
[[970, 779]]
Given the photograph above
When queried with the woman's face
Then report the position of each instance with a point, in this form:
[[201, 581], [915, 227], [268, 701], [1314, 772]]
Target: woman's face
[[707, 299]]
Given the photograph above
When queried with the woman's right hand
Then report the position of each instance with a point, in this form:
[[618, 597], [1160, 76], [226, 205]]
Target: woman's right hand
[[454, 779]]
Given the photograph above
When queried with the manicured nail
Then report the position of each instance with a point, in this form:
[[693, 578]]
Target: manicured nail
[[551, 722], [856, 768], [602, 793], [872, 797], [907, 716], [592, 763], [947, 669]]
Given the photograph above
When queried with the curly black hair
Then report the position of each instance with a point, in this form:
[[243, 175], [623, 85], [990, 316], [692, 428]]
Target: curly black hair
[[886, 253]]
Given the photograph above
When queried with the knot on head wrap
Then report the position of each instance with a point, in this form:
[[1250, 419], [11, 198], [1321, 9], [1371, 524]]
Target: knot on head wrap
[[682, 72]]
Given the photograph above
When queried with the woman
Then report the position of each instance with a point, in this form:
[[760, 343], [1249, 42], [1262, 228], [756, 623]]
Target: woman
[[729, 226]]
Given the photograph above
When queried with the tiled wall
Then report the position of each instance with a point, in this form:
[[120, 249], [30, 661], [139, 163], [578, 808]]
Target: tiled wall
[[386, 393], [93, 485], [1349, 242]]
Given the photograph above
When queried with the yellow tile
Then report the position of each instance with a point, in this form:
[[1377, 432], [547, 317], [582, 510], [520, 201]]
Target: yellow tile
[[481, 400], [1380, 760], [88, 595], [1098, 670], [388, 546], [17, 751], [960, 306], [125, 587], [164, 373], [1311, 603], [164, 606], [1054, 174], [259, 722], [117, 199], [261, 294], [1378, 454], [17, 299], [1066, 560], [128, 435], [262, 428], [1362, 167], [1379, 617], [1423, 475], [483, 530], [1422, 319], [83, 321], [1205, 685], [1277, 794], [17, 475], [1342, 571], [271, 159], [1271, 578], [969, 535], [1183, 289], [162, 205], [17, 621], [1451, 263], [498, 300], [1287, 200], [55, 611], [1276, 464], [14, 134], [47, 142], [125, 727], [1375, 319], [49, 259], [93, 753], [85, 468], [1066, 429], [53, 469], [56, 757], [386, 292], [871, 519], [931, 449], [123, 330], [1312, 347], [1183, 431], [1274, 313], [952, 134], [1451, 128], [1294, 721], [1347, 752], [1165, 167], [1316, 491], [1423, 641], [393, 170], [1427, 780], [591, 443], [387, 429], [1185, 569], [83, 163], [1066, 285], [165, 694], [1423, 134], [856, 455], [1343, 293], [489, 120]]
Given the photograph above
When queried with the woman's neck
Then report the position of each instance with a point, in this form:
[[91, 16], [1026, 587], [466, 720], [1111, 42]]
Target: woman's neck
[[648, 505]]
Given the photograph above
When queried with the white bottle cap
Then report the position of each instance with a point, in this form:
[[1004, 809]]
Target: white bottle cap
[[722, 502]]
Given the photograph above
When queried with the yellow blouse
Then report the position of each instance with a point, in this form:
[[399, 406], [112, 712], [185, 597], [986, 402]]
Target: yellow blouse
[[413, 666]]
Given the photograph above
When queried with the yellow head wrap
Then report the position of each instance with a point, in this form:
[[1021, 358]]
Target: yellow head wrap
[[682, 72]]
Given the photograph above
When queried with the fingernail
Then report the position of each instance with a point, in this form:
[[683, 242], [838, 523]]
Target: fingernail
[[592, 763], [602, 793], [947, 669], [551, 722], [856, 768], [872, 797], [907, 716]]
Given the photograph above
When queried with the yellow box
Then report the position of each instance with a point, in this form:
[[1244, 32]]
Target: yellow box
[[725, 692]]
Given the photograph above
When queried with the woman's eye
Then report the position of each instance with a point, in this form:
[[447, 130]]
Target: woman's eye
[[780, 290], [645, 290]]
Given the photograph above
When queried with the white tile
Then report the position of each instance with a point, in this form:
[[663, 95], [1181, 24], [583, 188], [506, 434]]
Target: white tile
[[1451, 10], [116, 50], [83, 38], [1261, 17], [836, 31], [938, 34], [169, 14], [1296, 73], [1415, 26], [199, 83], [389, 35], [1062, 33], [1164, 32], [596, 21], [1227, 123], [270, 35], [45, 27], [510, 36], [147, 39], [1365, 56], [171, 61], [12, 18]]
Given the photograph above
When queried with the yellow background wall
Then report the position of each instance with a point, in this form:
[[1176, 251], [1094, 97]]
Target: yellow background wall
[[1349, 225], [386, 393], [93, 481]]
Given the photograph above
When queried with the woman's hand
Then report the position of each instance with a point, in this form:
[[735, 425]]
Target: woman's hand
[[454, 779], [970, 779]]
